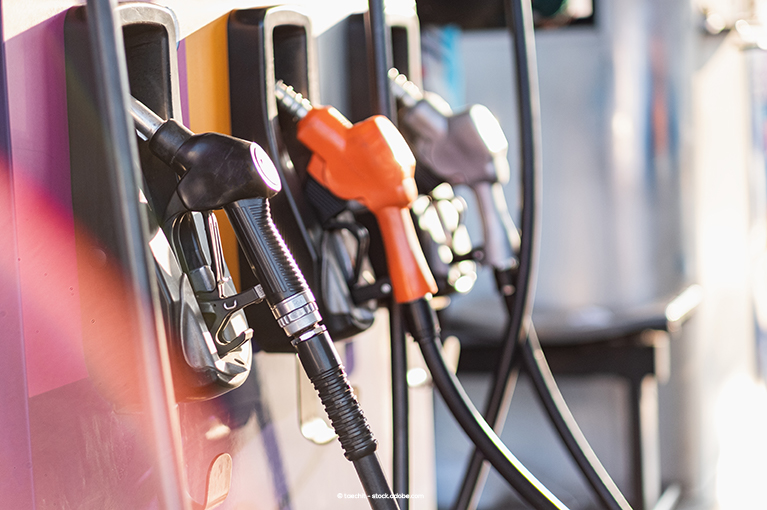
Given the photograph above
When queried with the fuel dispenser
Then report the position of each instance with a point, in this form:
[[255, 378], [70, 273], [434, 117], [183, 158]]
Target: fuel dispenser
[[242, 186], [125, 343], [449, 143], [166, 396], [225, 172], [208, 338], [195, 324], [215, 171]]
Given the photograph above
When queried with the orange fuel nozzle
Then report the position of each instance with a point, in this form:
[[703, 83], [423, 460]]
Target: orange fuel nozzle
[[371, 163]]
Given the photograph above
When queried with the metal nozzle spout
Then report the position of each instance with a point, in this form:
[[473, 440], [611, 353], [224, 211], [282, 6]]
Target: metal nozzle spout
[[147, 122], [405, 91], [295, 103]]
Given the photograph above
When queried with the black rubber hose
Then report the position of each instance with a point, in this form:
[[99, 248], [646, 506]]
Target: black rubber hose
[[496, 408], [534, 362], [320, 360], [379, 54], [400, 406], [520, 20], [520, 24], [478, 469], [559, 414], [521, 283], [374, 482], [529, 354], [422, 324], [383, 103]]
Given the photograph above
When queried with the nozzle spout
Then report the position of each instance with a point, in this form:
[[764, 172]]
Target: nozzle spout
[[295, 103], [147, 122], [403, 90]]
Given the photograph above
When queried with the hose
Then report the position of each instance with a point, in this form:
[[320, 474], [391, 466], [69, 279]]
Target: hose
[[422, 324], [519, 302], [284, 284], [559, 414], [516, 285], [496, 409], [530, 355], [383, 104], [380, 55], [400, 406]]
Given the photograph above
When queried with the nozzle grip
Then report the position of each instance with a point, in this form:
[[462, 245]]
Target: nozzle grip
[[501, 239], [409, 272], [265, 250]]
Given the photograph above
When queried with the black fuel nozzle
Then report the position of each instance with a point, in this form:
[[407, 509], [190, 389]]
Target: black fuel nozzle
[[466, 147], [223, 172], [219, 171], [215, 169]]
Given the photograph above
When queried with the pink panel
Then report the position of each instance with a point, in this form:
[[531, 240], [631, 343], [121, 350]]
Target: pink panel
[[45, 226]]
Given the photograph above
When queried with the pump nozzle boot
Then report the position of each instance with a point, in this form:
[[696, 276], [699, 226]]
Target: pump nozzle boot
[[466, 147], [371, 163]]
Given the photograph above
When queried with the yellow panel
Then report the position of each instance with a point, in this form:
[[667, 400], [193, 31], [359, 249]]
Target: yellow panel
[[207, 68]]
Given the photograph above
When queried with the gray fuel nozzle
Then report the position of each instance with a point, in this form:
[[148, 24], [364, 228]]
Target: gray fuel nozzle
[[466, 147]]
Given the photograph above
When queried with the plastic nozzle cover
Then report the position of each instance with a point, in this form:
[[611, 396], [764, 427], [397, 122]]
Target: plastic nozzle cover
[[219, 170], [370, 162], [216, 169], [464, 147]]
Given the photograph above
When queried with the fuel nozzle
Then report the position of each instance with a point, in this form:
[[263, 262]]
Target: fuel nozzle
[[371, 163], [219, 171], [466, 147]]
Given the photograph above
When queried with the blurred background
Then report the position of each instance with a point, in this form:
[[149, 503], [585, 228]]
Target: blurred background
[[653, 142]]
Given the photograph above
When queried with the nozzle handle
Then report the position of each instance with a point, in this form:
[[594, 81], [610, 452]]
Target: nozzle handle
[[370, 162], [409, 272], [265, 250], [289, 297], [501, 238]]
